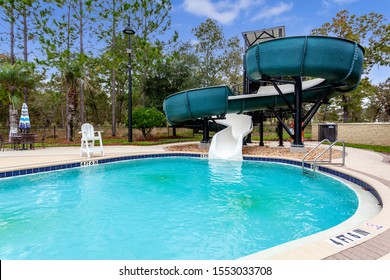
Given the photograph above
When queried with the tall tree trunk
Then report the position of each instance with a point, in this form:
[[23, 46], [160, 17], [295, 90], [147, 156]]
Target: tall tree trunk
[[72, 96], [63, 117], [120, 105], [345, 108], [94, 109], [12, 34], [145, 70], [113, 102], [25, 49], [67, 110], [113, 76], [82, 107], [25, 32], [13, 121], [68, 115]]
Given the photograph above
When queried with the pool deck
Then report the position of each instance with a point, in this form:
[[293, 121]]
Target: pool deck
[[371, 167]]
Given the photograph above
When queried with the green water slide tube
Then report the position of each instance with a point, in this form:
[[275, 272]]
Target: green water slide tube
[[337, 62]]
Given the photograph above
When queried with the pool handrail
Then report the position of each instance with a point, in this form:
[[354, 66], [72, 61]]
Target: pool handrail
[[314, 163]]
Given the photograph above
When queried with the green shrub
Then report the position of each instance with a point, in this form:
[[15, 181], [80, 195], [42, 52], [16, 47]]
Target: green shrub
[[145, 119]]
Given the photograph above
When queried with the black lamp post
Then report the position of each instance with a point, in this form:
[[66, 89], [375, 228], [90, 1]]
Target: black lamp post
[[129, 32]]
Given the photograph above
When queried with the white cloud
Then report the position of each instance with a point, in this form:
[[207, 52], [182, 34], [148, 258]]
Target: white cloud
[[222, 11], [275, 11], [343, 1], [327, 5]]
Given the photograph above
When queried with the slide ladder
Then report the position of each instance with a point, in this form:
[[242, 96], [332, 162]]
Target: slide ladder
[[227, 143]]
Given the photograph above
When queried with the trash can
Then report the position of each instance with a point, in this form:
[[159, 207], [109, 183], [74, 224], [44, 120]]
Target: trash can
[[327, 131]]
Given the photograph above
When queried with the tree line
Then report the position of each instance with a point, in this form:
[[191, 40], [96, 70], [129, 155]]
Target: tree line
[[67, 60]]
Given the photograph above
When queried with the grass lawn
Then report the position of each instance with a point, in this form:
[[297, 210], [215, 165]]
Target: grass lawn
[[375, 148]]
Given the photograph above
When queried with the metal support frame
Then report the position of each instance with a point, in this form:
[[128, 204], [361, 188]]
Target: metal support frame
[[296, 109], [280, 119], [248, 139], [206, 131], [310, 114], [282, 95], [297, 140], [280, 130], [261, 129], [245, 81]]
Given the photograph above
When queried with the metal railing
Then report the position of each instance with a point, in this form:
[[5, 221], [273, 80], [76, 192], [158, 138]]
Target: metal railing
[[317, 160]]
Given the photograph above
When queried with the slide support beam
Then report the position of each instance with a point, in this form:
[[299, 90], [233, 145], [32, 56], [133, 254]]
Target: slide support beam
[[280, 130], [261, 129], [206, 131], [280, 119], [297, 140], [313, 110]]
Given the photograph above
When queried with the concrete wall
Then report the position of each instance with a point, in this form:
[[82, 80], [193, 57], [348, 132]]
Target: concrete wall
[[360, 133]]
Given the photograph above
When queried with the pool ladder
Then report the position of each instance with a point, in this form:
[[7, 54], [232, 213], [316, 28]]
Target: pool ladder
[[313, 164]]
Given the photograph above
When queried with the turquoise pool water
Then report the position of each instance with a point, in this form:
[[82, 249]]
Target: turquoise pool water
[[166, 208]]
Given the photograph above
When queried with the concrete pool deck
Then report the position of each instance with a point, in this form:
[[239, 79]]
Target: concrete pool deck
[[370, 167]]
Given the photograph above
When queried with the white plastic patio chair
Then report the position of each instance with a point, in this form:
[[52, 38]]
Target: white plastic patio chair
[[88, 138]]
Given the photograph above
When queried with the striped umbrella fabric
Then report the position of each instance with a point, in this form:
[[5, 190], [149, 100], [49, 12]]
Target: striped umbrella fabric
[[24, 122]]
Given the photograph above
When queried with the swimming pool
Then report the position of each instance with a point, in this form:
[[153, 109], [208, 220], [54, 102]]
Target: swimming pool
[[166, 208]]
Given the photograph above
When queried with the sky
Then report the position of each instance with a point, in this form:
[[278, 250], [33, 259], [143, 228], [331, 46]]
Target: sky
[[298, 16]]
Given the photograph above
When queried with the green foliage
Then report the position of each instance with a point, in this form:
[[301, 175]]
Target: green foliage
[[149, 20], [13, 79], [378, 102], [220, 60], [145, 119], [75, 79], [371, 31], [159, 68], [232, 63], [210, 45], [172, 74], [368, 103]]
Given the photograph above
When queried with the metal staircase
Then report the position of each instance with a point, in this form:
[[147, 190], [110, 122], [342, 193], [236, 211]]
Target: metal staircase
[[313, 164]]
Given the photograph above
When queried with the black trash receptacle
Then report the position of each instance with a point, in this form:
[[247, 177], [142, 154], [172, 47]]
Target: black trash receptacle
[[327, 131]]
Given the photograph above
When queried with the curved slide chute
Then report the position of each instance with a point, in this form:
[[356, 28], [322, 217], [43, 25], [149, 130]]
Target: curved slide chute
[[227, 143], [336, 60], [335, 63]]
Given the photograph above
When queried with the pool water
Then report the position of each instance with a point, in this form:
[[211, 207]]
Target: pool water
[[166, 208]]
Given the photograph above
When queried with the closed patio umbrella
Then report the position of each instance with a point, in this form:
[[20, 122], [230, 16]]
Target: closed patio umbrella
[[24, 121]]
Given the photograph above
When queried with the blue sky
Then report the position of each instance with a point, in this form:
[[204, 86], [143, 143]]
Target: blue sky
[[298, 16]]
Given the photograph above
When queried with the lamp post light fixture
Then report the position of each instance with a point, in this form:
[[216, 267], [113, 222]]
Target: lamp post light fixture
[[128, 31]]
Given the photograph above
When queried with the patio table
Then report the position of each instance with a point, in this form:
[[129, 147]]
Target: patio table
[[23, 139]]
